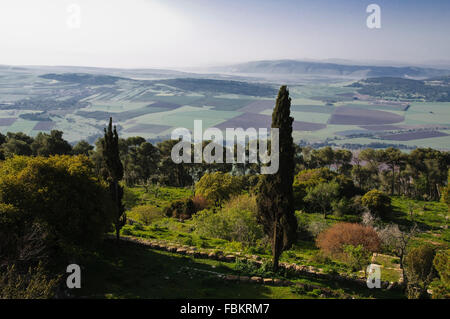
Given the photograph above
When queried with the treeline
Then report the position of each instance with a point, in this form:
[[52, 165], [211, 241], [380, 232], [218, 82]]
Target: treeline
[[419, 174], [405, 88]]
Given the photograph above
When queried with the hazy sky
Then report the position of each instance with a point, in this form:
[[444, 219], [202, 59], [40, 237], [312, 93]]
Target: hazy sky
[[184, 33]]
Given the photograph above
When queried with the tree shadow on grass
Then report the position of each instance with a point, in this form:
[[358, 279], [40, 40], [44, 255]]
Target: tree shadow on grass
[[127, 270], [399, 217]]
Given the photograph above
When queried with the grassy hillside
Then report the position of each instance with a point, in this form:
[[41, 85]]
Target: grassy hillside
[[431, 218]]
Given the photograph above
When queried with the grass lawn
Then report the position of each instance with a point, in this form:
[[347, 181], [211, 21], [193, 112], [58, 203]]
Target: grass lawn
[[127, 270], [432, 218], [155, 195]]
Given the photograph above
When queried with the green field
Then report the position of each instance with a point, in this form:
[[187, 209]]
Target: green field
[[82, 109]]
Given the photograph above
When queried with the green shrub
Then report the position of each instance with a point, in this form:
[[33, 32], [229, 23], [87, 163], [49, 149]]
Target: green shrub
[[130, 198], [126, 231], [377, 202], [342, 207], [247, 267], [236, 221], [181, 209], [218, 187], [314, 293], [146, 214], [138, 227], [320, 258], [35, 284], [441, 263], [420, 271], [357, 257], [299, 289], [61, 195]]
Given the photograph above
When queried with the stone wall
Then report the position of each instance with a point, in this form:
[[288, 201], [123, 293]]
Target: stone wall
[[224, 257]]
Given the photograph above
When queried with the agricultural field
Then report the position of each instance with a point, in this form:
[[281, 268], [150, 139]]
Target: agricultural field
[[79, 104]]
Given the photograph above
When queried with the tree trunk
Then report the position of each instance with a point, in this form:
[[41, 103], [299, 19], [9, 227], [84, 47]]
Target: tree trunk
[[393, 181], [402, 267], [275, 252], [116, 197]]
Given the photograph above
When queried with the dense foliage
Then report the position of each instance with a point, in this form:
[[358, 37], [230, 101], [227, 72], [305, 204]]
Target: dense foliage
[[420, 271], [236, 221], [377, 202], [275, 198], [57, 199]]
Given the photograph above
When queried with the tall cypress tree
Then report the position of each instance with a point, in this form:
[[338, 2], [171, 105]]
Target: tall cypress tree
[[275, 198], [114, 168]]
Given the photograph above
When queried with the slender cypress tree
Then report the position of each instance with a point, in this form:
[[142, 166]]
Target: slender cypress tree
[[114, 168], [275, 198]]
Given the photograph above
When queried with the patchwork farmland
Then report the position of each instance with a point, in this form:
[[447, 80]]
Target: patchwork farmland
[[80, 103]]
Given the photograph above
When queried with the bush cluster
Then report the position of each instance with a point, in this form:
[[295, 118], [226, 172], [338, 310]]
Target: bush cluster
[[334, 240]]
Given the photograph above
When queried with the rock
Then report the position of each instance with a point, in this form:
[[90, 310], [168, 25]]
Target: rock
[[231, 277], [256, 279], [230, 258], [320, 271], [299, 268], [181, 251], [191, 253], [278, 282], [212, 255], [244, 278], [203, 254], [285, 266], [290, 267], [172, 249], [267, 281]]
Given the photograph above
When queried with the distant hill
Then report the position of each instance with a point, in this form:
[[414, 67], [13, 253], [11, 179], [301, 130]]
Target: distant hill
[[83, 78], [431, 90], [221, 86], [210, 86], [293, 67]]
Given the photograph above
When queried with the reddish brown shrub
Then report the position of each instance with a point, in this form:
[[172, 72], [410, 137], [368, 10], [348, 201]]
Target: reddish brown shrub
[[333, 240], [200, 203]]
